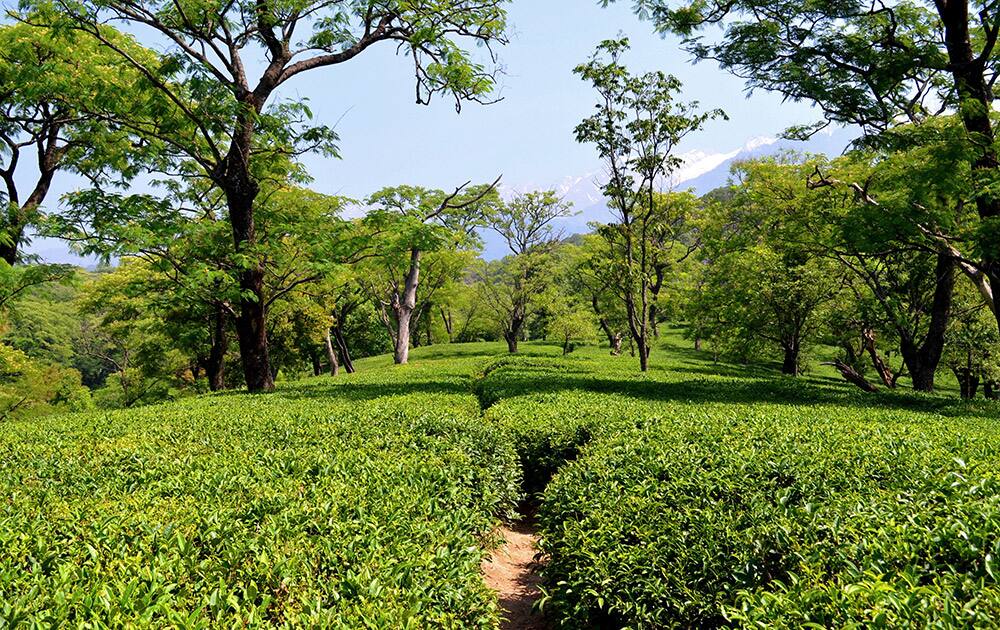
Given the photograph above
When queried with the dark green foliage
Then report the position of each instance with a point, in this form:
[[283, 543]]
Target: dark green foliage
[[694, 502]]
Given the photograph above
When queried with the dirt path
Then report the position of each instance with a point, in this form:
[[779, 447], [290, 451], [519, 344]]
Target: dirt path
[[511, 573]]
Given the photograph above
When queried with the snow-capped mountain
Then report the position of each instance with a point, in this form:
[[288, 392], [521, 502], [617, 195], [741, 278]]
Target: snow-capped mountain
[[701, 171]]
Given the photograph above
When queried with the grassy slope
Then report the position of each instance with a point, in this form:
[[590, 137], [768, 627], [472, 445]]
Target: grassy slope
[[360, 500]]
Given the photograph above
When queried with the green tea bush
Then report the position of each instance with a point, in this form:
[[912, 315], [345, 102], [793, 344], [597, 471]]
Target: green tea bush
[[357, 505], [769, 516]]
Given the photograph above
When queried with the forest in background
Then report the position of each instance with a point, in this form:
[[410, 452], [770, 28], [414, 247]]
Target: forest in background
[[229, 272]]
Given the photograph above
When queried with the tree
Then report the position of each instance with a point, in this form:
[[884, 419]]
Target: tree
[[636, 127], [764, 284], [191, 266], [972, 349], [590, 275], [46, 83], [235, 129], [877, 232], [411, 222], [514, 285], [572, 324], [875, 65]]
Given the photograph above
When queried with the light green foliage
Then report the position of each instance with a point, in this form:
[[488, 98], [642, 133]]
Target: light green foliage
[[347, 505], [762, 284], [571, 325], [30, 388]]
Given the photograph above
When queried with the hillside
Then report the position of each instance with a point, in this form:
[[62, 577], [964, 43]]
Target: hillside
[[696, 494]]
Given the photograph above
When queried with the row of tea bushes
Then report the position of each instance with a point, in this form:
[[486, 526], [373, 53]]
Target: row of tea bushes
[[355, 505], [698, 501]]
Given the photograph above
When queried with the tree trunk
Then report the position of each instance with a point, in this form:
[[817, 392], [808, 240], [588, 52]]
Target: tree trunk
[[881, 368], [790, 364], [697, 343], [990, 389], [342, 347], [403, 306], [922, 361], [853, 376], [511, 340], [643, 350], [428, 321], [241, 190], [448, 323], [975, 104], [331, 354], [968, 382], [317, 365], [19, 217], [215, 367]]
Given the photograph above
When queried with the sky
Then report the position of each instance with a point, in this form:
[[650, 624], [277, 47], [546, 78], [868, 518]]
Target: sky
[[527, 137]]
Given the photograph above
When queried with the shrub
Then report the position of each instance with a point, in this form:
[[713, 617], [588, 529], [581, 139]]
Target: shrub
[[356, 505]]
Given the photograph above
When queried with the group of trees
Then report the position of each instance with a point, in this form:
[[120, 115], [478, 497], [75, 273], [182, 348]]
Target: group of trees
[[888, 253]]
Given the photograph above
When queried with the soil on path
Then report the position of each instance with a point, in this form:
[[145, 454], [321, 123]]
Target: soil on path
[[511, 572]]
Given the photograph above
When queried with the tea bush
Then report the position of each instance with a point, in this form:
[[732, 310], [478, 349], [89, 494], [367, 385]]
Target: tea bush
[[690, 513], [355, 505]]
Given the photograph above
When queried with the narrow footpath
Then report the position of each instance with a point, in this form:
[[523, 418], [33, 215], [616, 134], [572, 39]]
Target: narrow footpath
[[511, 572]]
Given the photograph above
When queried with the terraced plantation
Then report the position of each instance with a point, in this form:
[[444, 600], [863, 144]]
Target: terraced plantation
[[684, 497]]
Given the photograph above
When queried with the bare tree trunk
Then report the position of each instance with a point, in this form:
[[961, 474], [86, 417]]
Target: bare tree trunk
[[790, 364], [241, 191], [853, 376], [317, 365], [922, 361], [511, 340], [885, 374], [449, 325], [215, 367], [403, 306], [342, 347], [331, 354]]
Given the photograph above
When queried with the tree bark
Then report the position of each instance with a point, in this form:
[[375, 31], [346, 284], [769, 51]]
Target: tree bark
[[790, 364], [511, 340], [331, 354], [448, 323], [241, 190], [922, 362], [881, 368], [48, 163], [975, 104], [403, 306], [343, 349], [990, 389], [853, 376], [215, 367]]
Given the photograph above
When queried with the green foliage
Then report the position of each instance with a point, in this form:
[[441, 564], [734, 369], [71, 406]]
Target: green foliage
[[692, 501], [348, 505]]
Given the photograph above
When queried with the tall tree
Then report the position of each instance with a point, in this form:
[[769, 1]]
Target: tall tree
[[235, 126], [409, 222], [512, 286], [871, 64], [636, 127]]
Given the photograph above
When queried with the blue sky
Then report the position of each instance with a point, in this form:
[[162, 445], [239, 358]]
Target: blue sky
[[386, 139]]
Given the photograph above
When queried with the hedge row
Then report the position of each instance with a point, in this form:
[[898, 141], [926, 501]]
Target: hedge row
[[671, 511], [323, 506]]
